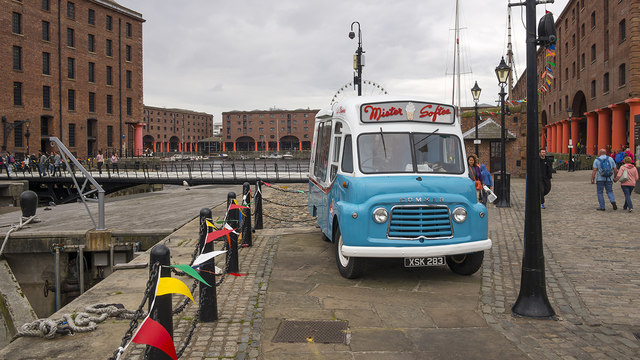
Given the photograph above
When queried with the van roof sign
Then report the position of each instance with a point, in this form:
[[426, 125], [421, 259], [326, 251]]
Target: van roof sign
[[407, 111]]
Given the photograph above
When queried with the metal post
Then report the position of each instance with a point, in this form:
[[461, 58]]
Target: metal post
[[57, 279], [233, 221], [476, 141], [258, 202], [532, 300], [502, 200], [162, 311], [246, 219], [208, 296], [81, 269]]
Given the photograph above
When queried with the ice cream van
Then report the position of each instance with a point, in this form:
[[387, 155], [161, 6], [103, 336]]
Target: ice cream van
[[388, 179]]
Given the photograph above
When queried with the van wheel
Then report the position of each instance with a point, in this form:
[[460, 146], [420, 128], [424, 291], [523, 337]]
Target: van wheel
[[349, 267], [465, 264]]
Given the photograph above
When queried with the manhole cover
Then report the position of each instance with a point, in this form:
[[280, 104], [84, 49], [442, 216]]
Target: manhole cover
[[325, 332]]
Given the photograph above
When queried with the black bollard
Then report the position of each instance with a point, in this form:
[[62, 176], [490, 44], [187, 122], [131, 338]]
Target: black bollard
[[258, 202], [246, 219], [208, 297], [233, 221], [28, 203], [162, 310]]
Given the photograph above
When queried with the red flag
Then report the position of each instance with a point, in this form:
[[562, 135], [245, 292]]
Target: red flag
[[216, 234], [236, 206], [153, 334]]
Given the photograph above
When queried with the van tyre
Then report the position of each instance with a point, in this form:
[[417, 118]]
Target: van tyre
[[349, 267], [465, 264]]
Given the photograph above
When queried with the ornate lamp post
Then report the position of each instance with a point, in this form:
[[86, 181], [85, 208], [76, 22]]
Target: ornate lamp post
[[503, 71], [358, 58], [570, 164], [475, 92]]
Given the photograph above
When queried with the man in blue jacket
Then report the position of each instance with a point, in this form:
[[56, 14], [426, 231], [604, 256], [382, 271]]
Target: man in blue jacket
[[604, 167]]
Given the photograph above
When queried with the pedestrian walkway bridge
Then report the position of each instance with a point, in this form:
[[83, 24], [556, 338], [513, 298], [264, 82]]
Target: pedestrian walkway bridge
[[59, 186]]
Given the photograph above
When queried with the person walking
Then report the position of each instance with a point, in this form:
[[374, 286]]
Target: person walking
[[546, 171], [486, 181], [474, 174], [603, 167], [114, 162], [100, 161], [629, 183], [43, 164]]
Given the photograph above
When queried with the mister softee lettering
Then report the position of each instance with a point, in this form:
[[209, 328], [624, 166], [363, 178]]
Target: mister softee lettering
[[378, 112], [439, 110]]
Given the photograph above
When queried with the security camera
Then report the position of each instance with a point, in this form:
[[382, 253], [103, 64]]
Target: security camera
[[352, 34]]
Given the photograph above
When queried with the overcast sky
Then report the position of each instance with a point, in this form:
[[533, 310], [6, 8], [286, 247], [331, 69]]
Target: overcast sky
[[216, 56]]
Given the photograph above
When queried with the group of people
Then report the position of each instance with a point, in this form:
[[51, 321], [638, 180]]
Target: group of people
[[481, 177], [114, 162], [607, 170]]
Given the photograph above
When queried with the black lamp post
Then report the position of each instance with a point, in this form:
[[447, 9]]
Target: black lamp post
[[503, 71], [358, 58], [475, 92], [570, 163], [532, 300]]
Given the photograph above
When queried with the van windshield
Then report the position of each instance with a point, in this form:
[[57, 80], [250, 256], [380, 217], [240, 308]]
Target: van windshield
[[410, 153]]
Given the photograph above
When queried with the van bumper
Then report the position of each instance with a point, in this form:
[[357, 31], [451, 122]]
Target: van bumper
[[415, 251]]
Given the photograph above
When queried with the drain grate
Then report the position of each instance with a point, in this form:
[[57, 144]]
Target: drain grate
[[325, 332]]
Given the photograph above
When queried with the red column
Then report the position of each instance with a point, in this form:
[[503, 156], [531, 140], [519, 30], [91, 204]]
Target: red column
[[137, 139], [618, 126], [575, 124], [299, 145], [592, 133], [634, 109], [604, 128], [565, 137], [547, 130], [223, 146], [559, 137], [553, 137], [234, 146]]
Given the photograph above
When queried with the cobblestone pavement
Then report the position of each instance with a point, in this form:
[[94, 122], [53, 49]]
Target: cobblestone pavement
[[591, 274]]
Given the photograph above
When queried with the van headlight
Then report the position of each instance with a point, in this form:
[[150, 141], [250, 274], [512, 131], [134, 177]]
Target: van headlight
[[380, 215], [459, 215]]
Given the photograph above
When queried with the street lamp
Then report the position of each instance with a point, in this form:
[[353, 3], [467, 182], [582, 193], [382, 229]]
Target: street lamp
[[503, 71], [570, 163], [358, 58], [475, 92]]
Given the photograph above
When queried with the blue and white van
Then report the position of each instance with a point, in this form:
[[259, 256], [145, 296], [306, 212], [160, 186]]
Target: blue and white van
[[388, 179]]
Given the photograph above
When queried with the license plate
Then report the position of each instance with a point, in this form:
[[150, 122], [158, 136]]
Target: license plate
[[428, 261]]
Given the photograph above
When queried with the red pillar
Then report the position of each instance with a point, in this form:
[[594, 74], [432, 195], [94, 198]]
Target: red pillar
[[256, 144], [223, 143], [299, 145], [234, 146], [592, 133], [547, 134], [604, 128], [137, 139], [559, 137], [618, 126], [565, 137], [552, 139], [634, 109]]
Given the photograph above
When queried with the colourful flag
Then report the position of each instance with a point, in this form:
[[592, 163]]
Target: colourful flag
[[209, 224], [217, 234], [207, 256], [551, 63], [153, 334], [168, 285], [191, 272], [236, 206]]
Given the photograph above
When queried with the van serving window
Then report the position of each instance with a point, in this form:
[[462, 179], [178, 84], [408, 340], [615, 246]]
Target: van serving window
[[407, 111]]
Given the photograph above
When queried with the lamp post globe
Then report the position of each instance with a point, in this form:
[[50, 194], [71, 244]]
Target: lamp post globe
[[475, 92], [502, 72]]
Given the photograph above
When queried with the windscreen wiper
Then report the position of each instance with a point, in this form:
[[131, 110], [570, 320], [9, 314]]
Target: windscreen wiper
[[426, 137], [384, 147]]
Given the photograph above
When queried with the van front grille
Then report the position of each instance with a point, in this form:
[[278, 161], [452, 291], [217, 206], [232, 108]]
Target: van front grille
[[420, 221]]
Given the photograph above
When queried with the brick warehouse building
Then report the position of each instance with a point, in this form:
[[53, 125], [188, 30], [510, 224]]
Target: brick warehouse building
[[268, 130], [171, 130], [597, 75], [74, 70]]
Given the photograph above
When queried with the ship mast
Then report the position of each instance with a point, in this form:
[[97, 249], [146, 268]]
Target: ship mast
[[456, 62], [509, 52]]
